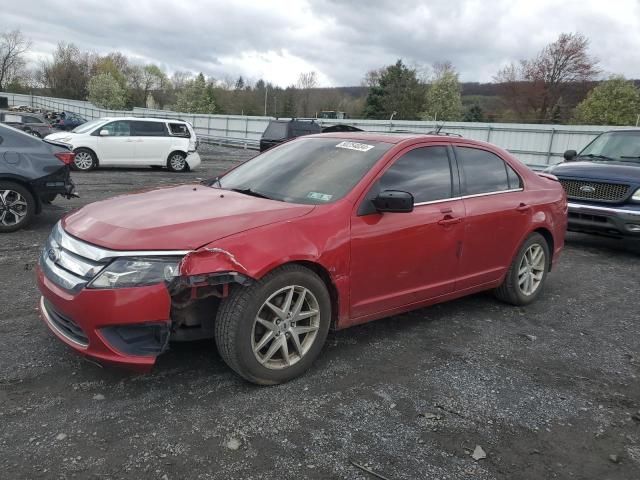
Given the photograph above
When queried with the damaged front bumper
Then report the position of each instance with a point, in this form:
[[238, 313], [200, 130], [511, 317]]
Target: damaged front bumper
[[129, 325], [126, 327]]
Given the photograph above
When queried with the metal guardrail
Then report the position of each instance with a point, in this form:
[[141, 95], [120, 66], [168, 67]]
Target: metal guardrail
[[535, 144]]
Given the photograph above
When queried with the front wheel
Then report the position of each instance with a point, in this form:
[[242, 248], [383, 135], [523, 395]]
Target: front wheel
[[271, 331], [84, 160], [177, 162], [17, 207], [528, 271]]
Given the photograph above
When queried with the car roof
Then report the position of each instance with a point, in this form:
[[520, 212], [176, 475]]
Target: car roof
[[146, 119], [391, 137]]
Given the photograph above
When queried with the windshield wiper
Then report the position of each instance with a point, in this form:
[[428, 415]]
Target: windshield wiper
[[591, 155], [253, 193], [630, 156]]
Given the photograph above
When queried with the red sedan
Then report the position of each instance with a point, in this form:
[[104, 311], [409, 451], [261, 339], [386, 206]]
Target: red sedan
[[326, 231]]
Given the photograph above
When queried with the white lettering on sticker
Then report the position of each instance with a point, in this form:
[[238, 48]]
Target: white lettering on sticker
[[324, 197], [360, 147]]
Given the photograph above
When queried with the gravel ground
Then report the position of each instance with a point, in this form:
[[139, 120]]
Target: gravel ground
[[547, 391]]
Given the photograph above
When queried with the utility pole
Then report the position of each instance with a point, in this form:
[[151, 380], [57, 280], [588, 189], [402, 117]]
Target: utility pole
[[265, 100]]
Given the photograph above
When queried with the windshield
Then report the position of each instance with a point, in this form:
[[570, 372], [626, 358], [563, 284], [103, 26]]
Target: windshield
[[85, 127], [311, 171], [622, 146]]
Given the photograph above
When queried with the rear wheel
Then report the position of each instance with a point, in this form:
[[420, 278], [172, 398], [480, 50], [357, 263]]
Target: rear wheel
[[528, 271], [17, 207], [84, 160], [271, 331], [177, 162]]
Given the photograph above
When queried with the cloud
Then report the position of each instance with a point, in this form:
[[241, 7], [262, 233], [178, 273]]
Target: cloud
[[341, 40]]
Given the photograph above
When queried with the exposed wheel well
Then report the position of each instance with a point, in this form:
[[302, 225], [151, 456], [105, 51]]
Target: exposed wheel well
[[549, 238]]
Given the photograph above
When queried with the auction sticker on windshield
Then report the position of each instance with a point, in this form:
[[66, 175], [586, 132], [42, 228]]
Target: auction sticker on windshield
[[360, 147], [323, 197]]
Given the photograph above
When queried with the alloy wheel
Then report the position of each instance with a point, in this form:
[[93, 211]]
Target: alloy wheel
[[285, 327], [531, 269], [177, 162], [13, 208], [83, 160]]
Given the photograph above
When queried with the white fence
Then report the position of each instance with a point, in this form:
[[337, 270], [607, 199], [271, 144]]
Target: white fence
[[535, 145]]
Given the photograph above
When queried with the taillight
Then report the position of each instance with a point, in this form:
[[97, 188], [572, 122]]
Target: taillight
[[66, 157]]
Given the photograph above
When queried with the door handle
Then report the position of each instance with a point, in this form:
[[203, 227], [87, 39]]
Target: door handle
[[523, 207], [449, 220]]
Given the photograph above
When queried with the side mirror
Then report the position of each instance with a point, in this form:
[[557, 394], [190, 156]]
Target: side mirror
[[394, 201], [104, 133], [570, 155]]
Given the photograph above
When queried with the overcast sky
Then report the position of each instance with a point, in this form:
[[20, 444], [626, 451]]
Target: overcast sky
[[341, 40]]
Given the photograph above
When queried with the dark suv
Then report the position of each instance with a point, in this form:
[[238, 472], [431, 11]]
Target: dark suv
[[279, 131], [603, 184]]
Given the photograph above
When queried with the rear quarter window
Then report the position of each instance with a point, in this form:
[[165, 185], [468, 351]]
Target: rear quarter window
[[179, 130]]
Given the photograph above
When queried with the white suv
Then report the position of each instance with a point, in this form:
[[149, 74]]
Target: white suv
[[132, 142]]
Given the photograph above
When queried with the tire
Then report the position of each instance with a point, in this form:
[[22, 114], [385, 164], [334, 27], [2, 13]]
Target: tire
[[527, 274], [85, 160], [177, 162], [239, 334], [17, 207]]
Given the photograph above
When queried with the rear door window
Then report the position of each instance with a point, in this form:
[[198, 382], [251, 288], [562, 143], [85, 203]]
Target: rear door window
[[424, 172], [148, 129], [485, 172]]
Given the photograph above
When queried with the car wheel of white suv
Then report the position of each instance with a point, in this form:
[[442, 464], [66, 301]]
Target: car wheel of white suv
[[177, 162], [84, 160]]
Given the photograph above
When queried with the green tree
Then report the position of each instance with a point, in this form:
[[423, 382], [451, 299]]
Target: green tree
[[195, 97], [443, 100], [474, 114], [106, 92], [396, 91], [614, 102]]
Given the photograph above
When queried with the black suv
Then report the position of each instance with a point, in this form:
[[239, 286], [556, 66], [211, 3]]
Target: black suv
[[279, 131], [603, 184], [32, 172]]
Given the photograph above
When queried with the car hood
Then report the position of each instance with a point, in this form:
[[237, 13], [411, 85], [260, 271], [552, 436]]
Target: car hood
[[58, 135], [175, 218], [605, 171]]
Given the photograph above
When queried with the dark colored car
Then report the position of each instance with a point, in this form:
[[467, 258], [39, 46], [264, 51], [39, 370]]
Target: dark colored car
[[32, 172], [603, 185], [329, 230], [31, 123], [279, 131], [68, 121]]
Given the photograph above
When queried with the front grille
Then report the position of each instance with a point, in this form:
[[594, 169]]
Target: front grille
[[65, 325], [599, 191], [66, 261]]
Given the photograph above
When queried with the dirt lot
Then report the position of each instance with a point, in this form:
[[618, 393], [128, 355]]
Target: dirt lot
[[547, 391]]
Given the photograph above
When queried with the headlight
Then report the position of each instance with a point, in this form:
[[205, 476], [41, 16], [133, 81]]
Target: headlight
[[136, 272], [63, 139], [636, 196]]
